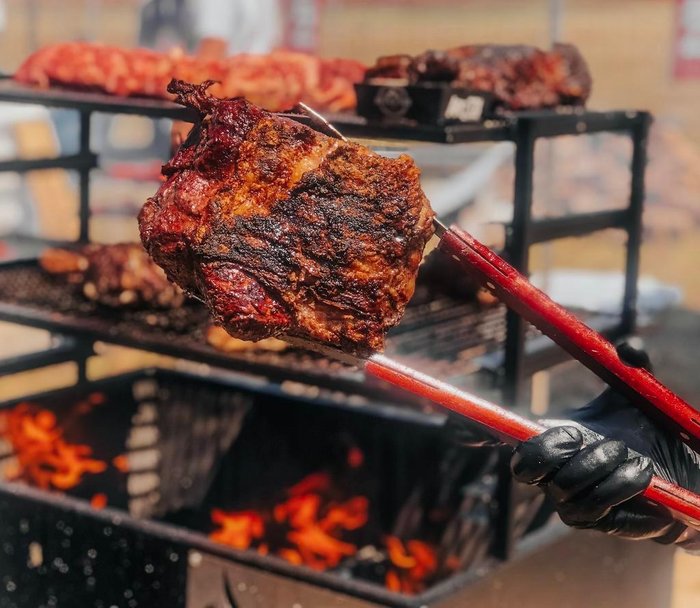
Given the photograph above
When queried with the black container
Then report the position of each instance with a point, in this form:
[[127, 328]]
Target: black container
[[220, 443], [430, 104], [196, 444]]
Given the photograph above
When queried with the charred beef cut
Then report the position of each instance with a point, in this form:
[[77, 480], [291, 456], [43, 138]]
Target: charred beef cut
[[114, 275], [521, 77], [284, 231]]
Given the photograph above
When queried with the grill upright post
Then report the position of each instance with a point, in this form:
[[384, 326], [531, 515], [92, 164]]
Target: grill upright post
[[84, 153], [517, 252], [634, 226]]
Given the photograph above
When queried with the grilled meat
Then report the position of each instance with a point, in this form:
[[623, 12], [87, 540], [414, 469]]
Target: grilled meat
[[277, 81], [391, 67], [521, 77], [114, 275], [284, 231], [221, 340]]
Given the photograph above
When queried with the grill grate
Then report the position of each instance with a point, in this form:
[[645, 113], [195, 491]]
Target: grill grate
[[439, 334]]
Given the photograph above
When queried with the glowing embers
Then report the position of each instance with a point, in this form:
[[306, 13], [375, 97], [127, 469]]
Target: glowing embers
[[308, 527], [413, 563], [319, 524], [238, 530], [42, 457]]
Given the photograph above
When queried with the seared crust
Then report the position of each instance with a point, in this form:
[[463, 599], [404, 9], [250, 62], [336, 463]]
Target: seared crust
[[283, 230]]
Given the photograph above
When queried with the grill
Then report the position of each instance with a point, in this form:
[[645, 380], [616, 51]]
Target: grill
[[522, 128], [440, 334], [194, 444]]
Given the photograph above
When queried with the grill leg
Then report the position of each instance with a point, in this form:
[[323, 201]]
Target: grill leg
[[503, 538], [82, 369], [634, 225], [517, 253], [84, 175]]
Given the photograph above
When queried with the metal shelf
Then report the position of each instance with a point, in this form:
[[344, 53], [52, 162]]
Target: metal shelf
[[86, 101], [522, 128], [63, 349], [73, 161], [439, 333], [544, 123], [550, 229]]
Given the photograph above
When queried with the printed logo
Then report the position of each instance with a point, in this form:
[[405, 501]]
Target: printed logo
[[393, 101], [465, 109]]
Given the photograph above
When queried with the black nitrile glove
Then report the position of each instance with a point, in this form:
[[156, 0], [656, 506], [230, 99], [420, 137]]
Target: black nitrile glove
[[584, 466], [591, 480]]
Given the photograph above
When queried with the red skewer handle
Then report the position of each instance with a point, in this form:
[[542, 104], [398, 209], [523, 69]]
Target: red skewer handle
[[512, 429], [574, 336]]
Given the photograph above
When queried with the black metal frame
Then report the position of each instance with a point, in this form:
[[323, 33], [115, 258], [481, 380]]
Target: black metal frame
[[62, 350], [525, 231], [22, 499], [523, 129]]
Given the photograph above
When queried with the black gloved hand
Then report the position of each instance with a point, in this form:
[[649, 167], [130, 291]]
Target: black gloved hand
[[584, 466], [592, 480]]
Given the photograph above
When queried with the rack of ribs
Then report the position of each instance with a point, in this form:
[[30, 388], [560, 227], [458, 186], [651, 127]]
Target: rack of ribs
[[521, 77]]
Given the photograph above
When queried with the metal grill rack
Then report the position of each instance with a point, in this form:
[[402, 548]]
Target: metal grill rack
[[523, 129], [208, 432], [30, 296]]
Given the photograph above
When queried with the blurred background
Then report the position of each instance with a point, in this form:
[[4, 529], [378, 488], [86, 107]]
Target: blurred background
[[642, 55]]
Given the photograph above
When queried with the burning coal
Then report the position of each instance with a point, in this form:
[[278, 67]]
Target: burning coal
[[313, 525], [42, 456], [308, 527], [413, 563]]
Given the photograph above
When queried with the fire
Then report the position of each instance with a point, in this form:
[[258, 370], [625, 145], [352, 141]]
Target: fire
[[89, 403], [237, 530], [414, 563], [98, 501], [316, 526], [43, 457], [318, 549], [121, 463], [310, 527], [355, 457], [307, 528], [316, 482]]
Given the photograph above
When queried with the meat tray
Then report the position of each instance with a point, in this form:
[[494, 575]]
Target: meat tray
[[547, 123], [425, 104]]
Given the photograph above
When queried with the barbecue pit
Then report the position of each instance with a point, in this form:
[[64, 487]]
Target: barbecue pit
[[151, 544]]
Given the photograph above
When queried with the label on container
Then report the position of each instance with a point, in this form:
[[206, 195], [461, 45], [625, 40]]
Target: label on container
[[465, 109]]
